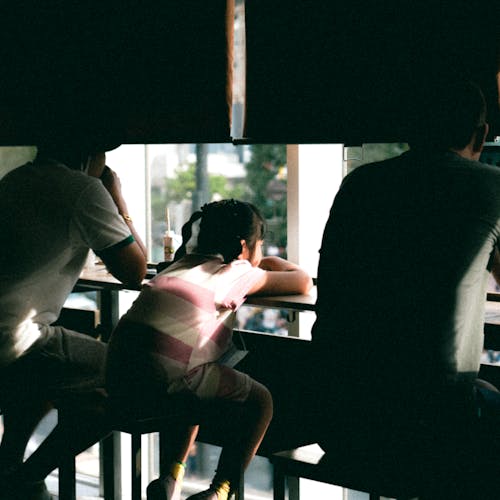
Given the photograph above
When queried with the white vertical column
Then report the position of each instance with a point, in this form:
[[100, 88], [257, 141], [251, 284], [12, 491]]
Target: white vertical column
[[128, 161], [147, 199], [314, 176]]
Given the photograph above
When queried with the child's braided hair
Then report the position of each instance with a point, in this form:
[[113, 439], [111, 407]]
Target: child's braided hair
[[222, 227]]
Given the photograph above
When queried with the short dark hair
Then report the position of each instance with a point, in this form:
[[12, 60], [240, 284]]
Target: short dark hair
[[447, 115], [72, 157], [73, 151]]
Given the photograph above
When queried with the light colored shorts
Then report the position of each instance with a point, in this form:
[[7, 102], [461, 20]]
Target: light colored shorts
[[212, 381]]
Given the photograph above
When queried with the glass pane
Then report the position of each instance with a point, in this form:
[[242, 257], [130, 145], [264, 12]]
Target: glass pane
[[179, 178], [82, 300], [263, 319]]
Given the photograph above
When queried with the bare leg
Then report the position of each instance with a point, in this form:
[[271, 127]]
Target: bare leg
[[174, 446], [253, 422], [258, 411], [177, 444]]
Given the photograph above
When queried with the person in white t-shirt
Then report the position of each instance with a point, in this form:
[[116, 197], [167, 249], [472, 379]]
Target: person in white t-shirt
[[52, 211]]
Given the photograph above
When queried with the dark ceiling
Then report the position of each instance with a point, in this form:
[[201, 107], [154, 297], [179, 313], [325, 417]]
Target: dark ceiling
[[316, 71]]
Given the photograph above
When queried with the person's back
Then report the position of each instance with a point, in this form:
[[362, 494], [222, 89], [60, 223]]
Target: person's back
[[403, 272], [44, 249], [402, 279]]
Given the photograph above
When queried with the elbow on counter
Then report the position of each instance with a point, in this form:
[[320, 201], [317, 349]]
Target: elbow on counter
[[306, 284], [127, 264], [133, 276]]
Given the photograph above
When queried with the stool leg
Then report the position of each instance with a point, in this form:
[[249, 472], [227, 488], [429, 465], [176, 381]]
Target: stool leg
[[163, 443], [110, 459], [278, 484], [240, 492], [136, 466], [293, 487], [67, 474], [67, 468]]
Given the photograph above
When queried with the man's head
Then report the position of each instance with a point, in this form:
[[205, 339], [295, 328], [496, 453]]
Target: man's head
[[72, 156], [451, 117], [75, 154]]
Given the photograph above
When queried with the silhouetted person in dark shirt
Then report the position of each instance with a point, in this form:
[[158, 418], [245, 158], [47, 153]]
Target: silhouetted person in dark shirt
[[404, 264]]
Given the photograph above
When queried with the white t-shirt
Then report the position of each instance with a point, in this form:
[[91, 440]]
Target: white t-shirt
[[50, 216]]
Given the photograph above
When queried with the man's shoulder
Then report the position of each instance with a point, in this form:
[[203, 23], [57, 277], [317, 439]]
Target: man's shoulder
[[70, 180], [376, 171], [420, 160], [51, 170], [43, 176], [472, 171]]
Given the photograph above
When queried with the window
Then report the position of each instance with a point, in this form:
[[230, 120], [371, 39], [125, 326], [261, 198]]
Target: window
[[292, 185], [179, 178]]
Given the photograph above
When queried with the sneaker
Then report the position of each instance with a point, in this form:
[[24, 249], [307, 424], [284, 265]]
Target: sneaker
[[164, 489], [210, 494]]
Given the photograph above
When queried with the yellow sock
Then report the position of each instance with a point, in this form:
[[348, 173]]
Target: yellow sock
[[223, 489], [177, 470]]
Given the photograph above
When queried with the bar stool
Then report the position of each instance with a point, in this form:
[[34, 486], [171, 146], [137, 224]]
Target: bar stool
[[310, 462], [136, 428], [184, 408], [86, 322]]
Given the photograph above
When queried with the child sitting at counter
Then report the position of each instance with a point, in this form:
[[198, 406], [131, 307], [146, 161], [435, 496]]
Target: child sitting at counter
[[172, 339]]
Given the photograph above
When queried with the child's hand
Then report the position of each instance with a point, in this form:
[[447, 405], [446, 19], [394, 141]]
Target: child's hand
[[282, 277]]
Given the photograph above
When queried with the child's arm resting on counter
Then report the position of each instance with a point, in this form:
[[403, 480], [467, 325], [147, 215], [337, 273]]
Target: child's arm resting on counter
[[281, 277]]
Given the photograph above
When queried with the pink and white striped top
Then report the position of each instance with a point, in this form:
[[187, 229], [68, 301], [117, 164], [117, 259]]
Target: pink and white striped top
[[188, 310]]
